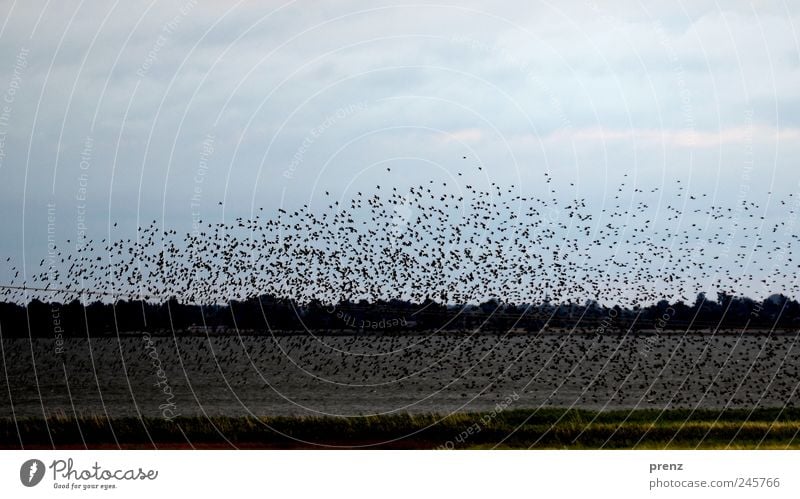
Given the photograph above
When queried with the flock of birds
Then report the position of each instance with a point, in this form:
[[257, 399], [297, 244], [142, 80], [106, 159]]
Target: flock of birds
[[637, 246], [417, 244]]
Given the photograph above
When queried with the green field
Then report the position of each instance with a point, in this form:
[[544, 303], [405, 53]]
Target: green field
[[511, 429]]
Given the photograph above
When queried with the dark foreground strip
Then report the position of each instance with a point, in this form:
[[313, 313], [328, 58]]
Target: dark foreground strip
[[548, 428]]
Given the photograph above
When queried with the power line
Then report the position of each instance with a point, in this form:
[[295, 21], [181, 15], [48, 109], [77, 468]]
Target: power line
[[74, 291]]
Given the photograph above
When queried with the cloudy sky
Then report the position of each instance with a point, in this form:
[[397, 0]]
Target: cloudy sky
[[128, 112]]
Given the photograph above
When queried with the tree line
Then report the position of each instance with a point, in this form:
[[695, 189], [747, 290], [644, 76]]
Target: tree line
[[260, 315]]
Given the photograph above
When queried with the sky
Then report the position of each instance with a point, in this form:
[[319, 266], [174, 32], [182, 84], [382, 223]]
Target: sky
[[128, 112]]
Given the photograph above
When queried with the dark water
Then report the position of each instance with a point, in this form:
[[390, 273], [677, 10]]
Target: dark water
[[351, 375]]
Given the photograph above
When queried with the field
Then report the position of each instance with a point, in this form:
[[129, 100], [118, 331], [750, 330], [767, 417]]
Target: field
[[512, 429], [555, 390]]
